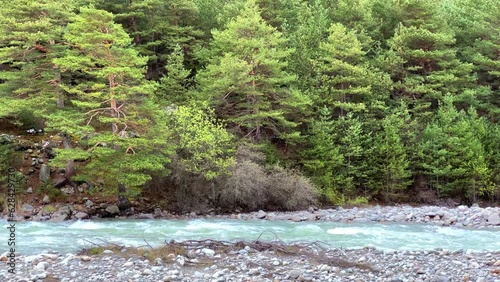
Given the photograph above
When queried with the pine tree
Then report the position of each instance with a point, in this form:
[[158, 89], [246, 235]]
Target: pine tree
[[157, 27], [310, 29], [323, 160], [422, 60], [245, 80], [122, 132], [342, 76], [455, 156], [30, 38], [173, 87], [390, 172]]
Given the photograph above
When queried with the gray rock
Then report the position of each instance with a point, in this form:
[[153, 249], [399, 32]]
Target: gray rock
[[208, 252], [27, 208], [29, 190], [494, 219], [46, 200], [147, 271], [261, 214], [81, 215], [44, 173], [88, 203], [41, 266], [145, 216], [58, 217], [113, 210], [295, 274]]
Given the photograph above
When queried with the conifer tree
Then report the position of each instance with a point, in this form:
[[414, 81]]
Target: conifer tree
[[422, 60], [157, 27], [245, 79], [455, 158], [390, 172], [342, 77], [30, 38], [122, 132], [323, 160], [173, 86]]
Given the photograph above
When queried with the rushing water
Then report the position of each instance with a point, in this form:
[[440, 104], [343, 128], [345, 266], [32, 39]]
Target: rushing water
[[71, 236]]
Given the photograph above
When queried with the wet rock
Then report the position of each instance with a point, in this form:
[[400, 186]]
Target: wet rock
[[145, 216], [81, 215], [261, 214], [113, 210]]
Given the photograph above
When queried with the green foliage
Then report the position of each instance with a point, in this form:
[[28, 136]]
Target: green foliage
[[245, 80], [203, 145], [455, 157], [112, 106], [390, 170], [147, 86], [30, 38], [173, 87]]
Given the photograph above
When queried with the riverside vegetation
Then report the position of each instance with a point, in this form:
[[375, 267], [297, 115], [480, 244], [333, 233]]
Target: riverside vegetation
[[252, 104]]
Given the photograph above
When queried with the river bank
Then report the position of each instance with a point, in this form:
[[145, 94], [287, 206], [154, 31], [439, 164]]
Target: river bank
[[461, 216], [249, 265], [246, 264]]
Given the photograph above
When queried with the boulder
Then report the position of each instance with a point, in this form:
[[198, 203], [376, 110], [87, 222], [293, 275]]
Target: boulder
[[44, 173], [113, 210], [81, 215], [494, 219], [261, 214]]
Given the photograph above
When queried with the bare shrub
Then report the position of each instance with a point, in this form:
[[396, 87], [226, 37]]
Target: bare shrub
[[245, 187], [290, 190]]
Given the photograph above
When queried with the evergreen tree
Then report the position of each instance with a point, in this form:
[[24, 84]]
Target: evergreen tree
[[323, 160], [422, 60], [173, 87], [245, 80], [121, 130], [390, 172], [455, 158], [310, 29], [30, 38], [157, 27], [343, 78]]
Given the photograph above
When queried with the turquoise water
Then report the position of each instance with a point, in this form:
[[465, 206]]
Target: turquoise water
[[71, 236]]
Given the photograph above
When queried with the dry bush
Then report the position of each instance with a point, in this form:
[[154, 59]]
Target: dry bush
[[252, 186], [246, 187], [290, 190]]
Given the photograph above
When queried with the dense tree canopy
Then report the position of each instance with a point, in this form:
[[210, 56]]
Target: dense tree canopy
[[370, 99]]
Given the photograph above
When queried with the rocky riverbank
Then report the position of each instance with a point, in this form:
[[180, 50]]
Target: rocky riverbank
[[249, 265], [461, 216]]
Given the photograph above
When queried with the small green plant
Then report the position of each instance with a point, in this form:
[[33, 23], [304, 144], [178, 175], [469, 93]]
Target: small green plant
[[358, 201], [49, 209], [95, 251], [53, 193]]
